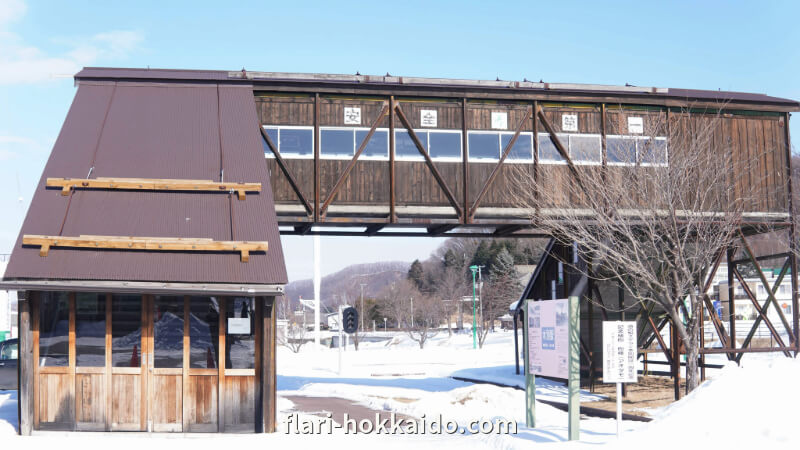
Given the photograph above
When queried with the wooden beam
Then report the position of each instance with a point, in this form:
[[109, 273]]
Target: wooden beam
[[316, 159], [144, 243], [438, 230], [282, 164], [496, 169], [560, 147], [26, 365], [352, 162], [152, 184], [372, 230], [392, 201], [766, 285], [465, 160], [762, 311], [447, 192]]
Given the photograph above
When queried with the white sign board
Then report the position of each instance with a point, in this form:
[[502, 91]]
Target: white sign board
[[499, 120], [427, 117], [237, 325], [635, 125], [548, 338], [352, 116], [569, 122], [619, 352]]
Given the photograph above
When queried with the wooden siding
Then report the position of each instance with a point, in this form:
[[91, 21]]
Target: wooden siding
[[755, 138], [146, 398], [90, 410]]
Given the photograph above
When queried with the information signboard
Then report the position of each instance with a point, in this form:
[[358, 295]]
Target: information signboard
[[619, 352], [548, 338]]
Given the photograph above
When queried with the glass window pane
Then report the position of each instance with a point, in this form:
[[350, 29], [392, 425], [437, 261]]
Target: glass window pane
[[621, 150], [168, 332], [336, 143], [585, 148], [522, 149], [296, 142], [652, 151], [273, 134], [547, 149], [9, 350], [484, 146], [444, 145], [404, 146], [378, 145], [90, 330], [54, 329], [203, 332], [240, 341], [126, 330]]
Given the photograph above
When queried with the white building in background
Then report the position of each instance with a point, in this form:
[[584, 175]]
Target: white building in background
[[8, 307], [744, 309]]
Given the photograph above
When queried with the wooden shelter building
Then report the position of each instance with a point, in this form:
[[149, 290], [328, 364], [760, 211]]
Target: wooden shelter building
[[148, 265]]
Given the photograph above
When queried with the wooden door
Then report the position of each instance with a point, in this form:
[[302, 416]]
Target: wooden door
[[54, 361], [201, 371], [129, 355], [166, 347]]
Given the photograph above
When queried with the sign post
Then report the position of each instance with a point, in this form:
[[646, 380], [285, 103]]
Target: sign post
[[619, 358], [552, 349], [574, 381], [474, 269], [530, 378]]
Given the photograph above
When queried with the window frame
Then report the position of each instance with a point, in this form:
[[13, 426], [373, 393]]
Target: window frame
[[584, 162], [474, 159], [352, 131], [510, 159], [666, 151], [625, 137], [561, 162], [637, 157], [458, 158], [278, 143]]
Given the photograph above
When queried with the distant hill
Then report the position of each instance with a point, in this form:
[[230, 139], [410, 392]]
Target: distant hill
[[346, 282]]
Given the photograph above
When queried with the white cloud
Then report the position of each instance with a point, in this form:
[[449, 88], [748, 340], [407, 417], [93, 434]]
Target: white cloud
[[11, 10], [21, 63]]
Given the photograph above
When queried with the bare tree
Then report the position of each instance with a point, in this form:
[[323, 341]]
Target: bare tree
[[502, 288], [451, 287], [391, 296], [426, 311], [418, 314], [295, 337], [656, 220]]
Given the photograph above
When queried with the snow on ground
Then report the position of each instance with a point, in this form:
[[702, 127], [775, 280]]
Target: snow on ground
[[751, 404]]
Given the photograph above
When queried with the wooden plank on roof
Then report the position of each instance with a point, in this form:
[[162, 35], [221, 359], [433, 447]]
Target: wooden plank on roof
[[152, 184], [144, 243]]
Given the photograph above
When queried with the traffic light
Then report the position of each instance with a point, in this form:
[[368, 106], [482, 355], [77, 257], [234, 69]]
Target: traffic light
[[350, 319]]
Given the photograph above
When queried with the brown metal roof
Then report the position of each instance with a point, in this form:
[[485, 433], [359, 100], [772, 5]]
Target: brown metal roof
[[154, 130], [271, 78]]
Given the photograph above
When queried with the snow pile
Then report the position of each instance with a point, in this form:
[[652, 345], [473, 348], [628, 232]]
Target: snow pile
[[8, 413], [755, 403]]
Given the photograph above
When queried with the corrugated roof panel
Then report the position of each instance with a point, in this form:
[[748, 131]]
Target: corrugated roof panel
[[267, 78], [155, 131]]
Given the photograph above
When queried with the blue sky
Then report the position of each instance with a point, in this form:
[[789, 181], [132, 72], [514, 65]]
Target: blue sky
[[741, 46]]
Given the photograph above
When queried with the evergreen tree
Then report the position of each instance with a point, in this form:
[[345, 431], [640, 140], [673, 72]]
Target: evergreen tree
[[417, 274], [450, 259]]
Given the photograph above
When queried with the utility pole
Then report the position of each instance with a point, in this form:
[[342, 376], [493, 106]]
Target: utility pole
[[474, 269], [317, 289], [363, 312], [412, 312]]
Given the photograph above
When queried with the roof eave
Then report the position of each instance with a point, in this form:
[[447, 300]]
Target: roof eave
[[143, 287]]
